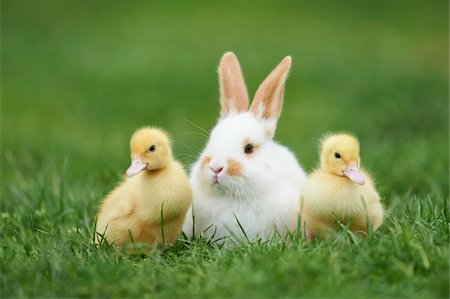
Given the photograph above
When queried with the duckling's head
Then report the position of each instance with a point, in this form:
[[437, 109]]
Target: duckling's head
[[340, 156], [150, 149]]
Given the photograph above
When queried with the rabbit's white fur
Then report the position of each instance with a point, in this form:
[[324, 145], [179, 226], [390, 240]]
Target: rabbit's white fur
[[261, 189]]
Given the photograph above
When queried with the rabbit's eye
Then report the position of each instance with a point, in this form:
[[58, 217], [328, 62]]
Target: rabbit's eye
[[152, 148], [248, 149]]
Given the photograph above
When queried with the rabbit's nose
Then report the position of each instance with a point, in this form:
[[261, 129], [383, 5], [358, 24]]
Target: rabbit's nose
[[216, 170]]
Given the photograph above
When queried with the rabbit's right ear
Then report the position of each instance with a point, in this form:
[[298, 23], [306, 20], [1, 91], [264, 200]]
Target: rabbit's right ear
[[268, 99], [233, 92]]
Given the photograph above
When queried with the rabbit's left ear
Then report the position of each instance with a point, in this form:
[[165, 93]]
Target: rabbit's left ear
[[233, 92], [268, 99]]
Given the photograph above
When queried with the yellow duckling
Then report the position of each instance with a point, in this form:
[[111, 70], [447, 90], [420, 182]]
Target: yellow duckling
[[340, 191], [155, 183]]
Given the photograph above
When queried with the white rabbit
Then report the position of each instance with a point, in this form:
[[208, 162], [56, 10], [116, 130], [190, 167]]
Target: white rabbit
[[243, 180]]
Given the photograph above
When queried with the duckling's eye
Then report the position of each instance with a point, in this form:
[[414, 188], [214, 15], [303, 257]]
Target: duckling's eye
[[248, 149], [337, 155], [152, 148]]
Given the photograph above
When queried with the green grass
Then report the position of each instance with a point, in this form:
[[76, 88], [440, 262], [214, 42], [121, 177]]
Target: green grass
[[78, 77]]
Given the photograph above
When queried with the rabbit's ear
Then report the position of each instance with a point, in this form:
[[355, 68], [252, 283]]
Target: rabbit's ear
[[268, 100], [233, 92]]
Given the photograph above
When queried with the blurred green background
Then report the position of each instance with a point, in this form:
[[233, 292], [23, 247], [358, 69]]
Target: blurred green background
[[78, 77]]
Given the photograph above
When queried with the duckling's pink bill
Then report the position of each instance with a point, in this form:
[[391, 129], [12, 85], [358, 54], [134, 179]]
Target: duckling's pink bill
[[353, 173], [136, 166]]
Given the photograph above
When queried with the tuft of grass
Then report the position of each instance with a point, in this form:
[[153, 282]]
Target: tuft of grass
[[79, 77], [407, 257]]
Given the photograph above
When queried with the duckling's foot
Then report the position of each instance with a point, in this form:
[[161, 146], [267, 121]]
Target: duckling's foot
[[311, 235]]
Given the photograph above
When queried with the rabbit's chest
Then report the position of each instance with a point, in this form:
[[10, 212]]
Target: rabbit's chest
[[239, 219]]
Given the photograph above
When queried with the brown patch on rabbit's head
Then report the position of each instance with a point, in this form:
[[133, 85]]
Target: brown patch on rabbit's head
[[234, 168], [205, 162]]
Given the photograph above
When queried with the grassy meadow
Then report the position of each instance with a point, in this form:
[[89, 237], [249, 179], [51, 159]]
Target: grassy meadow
[[78, 77]]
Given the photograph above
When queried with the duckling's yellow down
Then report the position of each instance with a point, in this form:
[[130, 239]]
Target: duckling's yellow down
[[134, 207], [333, 195]]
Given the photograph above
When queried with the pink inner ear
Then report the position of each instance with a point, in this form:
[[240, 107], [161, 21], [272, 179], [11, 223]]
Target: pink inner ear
[[268, 99], [353, 173], [136, 166], [233, 92]]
